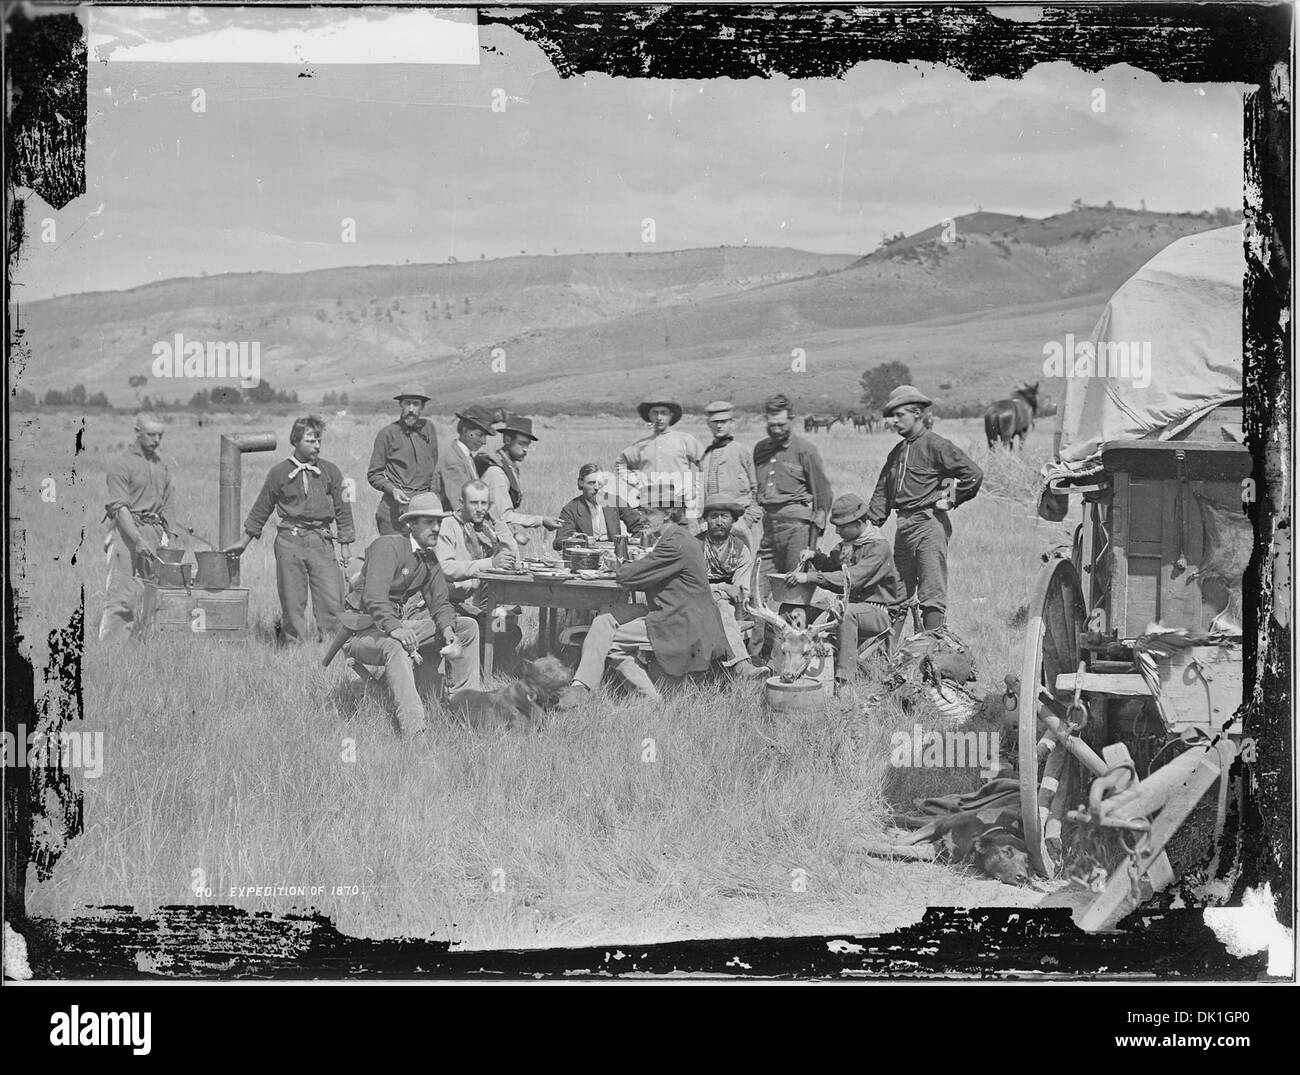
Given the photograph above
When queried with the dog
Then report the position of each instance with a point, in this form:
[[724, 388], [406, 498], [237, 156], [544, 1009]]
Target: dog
[[519, 705], [513, 706], [997, 849]]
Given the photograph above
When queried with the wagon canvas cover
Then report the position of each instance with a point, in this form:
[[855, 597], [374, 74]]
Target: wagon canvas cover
[[1178, 323]]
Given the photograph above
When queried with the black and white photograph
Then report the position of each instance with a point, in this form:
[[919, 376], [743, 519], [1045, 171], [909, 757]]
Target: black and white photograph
[[555, 486]]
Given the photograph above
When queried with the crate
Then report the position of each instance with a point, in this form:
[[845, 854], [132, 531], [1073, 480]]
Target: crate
[[173, 610]]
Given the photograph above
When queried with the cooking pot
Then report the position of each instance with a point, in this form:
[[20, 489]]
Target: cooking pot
[[214, 570]]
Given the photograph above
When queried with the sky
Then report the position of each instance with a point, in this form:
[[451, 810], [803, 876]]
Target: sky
[[266, 173]]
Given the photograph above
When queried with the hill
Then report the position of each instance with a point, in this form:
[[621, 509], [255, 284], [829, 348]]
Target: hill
[[969, 307]]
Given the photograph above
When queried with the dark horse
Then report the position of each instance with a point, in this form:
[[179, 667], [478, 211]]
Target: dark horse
[[814, 422], [1008, 419]]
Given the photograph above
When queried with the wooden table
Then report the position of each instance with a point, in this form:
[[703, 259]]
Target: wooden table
[[548, 596]]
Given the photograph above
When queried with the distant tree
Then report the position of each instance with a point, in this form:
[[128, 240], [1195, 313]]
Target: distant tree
[[262, 392], [321, 315], [98, 400], [482, 257], [137, 381], [1142, 205], [226, 396], [343, 399], [146, 404], [467, 304], [77, 395], [329, 399], [1110, 204], [199, 401], [879, 381], [1076, 205], [24, 400], [55, 398]]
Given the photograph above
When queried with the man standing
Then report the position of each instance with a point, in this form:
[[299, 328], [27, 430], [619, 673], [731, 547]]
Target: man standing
[[404, 459], [139, 494], [665, 457], [398, 567], [456, 466], [862, 570], [307, 493], [793, 492], [467, 544], [729, 561], [914, 482], [729, 471], [591, 514], [681, 623], [505, 491]]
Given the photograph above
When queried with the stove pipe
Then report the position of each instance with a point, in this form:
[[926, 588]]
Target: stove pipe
[[233, 445]]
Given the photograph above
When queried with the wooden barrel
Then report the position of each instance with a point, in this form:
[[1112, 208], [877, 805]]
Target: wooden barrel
[[800, 696]]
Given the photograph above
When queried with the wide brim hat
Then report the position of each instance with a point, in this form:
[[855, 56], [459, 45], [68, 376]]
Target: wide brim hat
[[675, 409], [411, 392], [902, 396], [720, 502], [515, 423], [479, 416], [424, 506], [848, 508]]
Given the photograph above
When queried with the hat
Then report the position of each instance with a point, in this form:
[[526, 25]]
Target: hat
[[411, 392], [516, 424], [478, 416], [902, 396], [424, 506], [643, 409], [717, 409], [721, 502], [848, 508]]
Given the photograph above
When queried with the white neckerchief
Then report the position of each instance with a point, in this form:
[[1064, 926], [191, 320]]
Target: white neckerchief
[[299, 467]]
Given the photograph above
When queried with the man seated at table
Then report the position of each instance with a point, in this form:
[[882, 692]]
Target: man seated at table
[[730, 562], [680, 624], [862, 569], [590, 512], [469, 542], [398, 567]]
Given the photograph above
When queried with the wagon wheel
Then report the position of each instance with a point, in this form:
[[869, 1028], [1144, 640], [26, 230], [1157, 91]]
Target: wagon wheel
[[1056, 622]]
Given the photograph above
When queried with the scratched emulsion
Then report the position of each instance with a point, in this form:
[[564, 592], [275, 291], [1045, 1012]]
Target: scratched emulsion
[[1190, 43]]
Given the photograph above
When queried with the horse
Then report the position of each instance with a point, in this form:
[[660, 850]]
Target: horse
[[1010, 418], [815, 422], [864, 423]]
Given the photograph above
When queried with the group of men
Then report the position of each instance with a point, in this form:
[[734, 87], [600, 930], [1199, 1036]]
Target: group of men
[[443, 518]]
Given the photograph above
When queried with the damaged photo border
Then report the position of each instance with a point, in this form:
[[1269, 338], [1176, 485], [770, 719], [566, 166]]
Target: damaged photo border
[[1247, 44]]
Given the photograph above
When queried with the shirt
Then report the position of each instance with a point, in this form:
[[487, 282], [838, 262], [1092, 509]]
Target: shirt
[[396, 569], [915, 471], [863, 568], [729, 470], [668, 459], [792, 481], [599, 530], [729, 563], [403, 459], [500, 503], [139, 484], [463, 551], [317, 505]]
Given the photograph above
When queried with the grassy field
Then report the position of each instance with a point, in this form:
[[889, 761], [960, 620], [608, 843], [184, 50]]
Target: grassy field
[[619, 822]]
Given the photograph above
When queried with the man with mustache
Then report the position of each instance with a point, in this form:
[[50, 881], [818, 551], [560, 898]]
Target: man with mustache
[[404, 460], [139, 495], [306, 492], [506, 492]]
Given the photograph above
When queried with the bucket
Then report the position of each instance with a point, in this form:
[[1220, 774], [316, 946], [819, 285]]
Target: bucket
[[174, 575], [214, 570], [170, 555], [801, 696]]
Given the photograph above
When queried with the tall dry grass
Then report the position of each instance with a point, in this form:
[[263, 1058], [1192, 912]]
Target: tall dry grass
[[259, 767]]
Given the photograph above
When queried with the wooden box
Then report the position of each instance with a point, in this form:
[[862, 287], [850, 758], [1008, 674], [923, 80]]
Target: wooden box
[[219, 614]]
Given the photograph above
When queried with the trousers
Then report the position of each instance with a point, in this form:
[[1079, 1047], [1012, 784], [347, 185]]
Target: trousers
[[305, 563], [386, 515], [401, 674], [607, 639], [921, 556], [122, 589], [730, 625], [861, 623]]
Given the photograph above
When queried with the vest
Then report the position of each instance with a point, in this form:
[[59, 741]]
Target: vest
[[483, 462]]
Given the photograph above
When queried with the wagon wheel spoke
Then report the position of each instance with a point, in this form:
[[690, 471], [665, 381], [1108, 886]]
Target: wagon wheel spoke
[[1056, 618]]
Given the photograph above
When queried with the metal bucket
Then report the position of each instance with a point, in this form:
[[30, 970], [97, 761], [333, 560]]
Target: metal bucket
[[175, 575], [170, 555], [214, 570]]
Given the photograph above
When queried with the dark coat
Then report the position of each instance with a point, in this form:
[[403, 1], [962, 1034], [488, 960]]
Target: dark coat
[[683, 623], [575, 517]]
